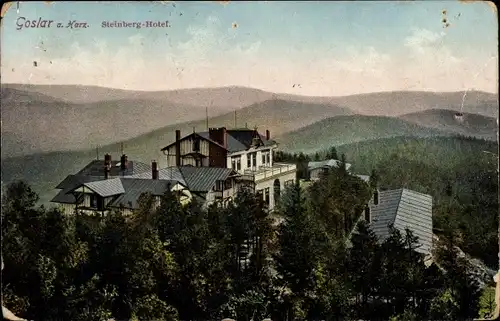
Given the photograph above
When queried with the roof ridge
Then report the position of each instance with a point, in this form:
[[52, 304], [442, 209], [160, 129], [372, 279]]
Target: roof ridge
[[401, 190]]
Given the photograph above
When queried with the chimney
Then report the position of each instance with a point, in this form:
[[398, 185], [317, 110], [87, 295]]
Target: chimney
[[375, 197], [124, 162], [218, 135], [154, 170], [268, 134], [107, 160], [107, 165], [177, 147]]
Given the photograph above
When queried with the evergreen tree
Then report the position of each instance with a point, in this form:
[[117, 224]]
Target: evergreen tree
[[364, 265], [299, 252]]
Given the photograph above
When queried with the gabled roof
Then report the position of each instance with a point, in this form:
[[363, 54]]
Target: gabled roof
[[205, 137], [70, 183], [169, 173], [403, 208], [237, 139], [135, 187], [202, 179], [196, 179], [107, 187], [329, 163], [96, 168]]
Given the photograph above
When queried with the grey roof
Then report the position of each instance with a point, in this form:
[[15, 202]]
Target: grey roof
[[233, 145], [96, 168], [405, 209], [107, 187], [326, 163], [70, 183], [169, 173], [135, 187], [196, 179], [202, 179]]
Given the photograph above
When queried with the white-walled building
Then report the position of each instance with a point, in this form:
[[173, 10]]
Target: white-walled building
[[245, 151], [210, 167]]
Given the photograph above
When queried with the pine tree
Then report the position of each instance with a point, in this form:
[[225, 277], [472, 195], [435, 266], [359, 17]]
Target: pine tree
[[299, 252], [364, 265]]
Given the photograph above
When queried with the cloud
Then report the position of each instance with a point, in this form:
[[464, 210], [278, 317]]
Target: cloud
[[218, 55]]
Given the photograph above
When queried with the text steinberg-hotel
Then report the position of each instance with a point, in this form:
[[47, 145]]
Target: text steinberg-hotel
[[137, 25]]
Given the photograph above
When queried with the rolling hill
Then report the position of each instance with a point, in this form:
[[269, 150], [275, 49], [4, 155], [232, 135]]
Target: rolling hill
[[473, 125], [403, 102], [45, 170], [350, 129], [45, 118], [227, 98], [234, 97], [33, 122]]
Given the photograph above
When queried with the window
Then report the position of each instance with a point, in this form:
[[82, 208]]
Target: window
[[219, 185], [260, 194], [93, 200], [196, 144], [266, 158], [96, 202], [252, 160], [227, 184], [236, 163], [266, 195]]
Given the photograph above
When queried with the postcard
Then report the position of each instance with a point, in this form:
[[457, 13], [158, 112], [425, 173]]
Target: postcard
[[202, 160]]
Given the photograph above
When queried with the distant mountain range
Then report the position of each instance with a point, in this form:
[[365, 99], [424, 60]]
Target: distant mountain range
[[49, 132], [45, 118], [473, 124], [357, 128]]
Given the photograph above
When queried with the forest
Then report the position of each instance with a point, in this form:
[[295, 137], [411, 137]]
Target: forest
[[174, 262], [460, 173]]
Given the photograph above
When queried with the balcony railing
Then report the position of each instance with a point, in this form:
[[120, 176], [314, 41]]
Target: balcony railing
[[267, 172]]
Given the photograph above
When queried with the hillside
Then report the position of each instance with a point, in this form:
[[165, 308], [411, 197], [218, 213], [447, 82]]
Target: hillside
[[72, 117], [403, 102], [473, 124], [234, 97], [456, 171], [226, 98], [350, 129], [33, 122], [45, 170]]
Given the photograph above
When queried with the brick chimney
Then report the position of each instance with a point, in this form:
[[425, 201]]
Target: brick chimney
[[375, 197], [218, 135], [268, 134], [154, 170], [107, 165], [178, 147], [124, 162]]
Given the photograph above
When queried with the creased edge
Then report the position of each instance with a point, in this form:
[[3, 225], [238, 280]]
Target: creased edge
[[5, 8]]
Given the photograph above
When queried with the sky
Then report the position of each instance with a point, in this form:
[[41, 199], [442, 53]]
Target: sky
[[324, 48]]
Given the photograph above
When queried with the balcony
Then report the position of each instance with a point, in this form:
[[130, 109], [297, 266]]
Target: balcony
[[267, 172]]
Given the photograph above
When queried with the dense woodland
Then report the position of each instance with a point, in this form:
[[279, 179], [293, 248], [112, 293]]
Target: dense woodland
[[187, 263], [459, 172]]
